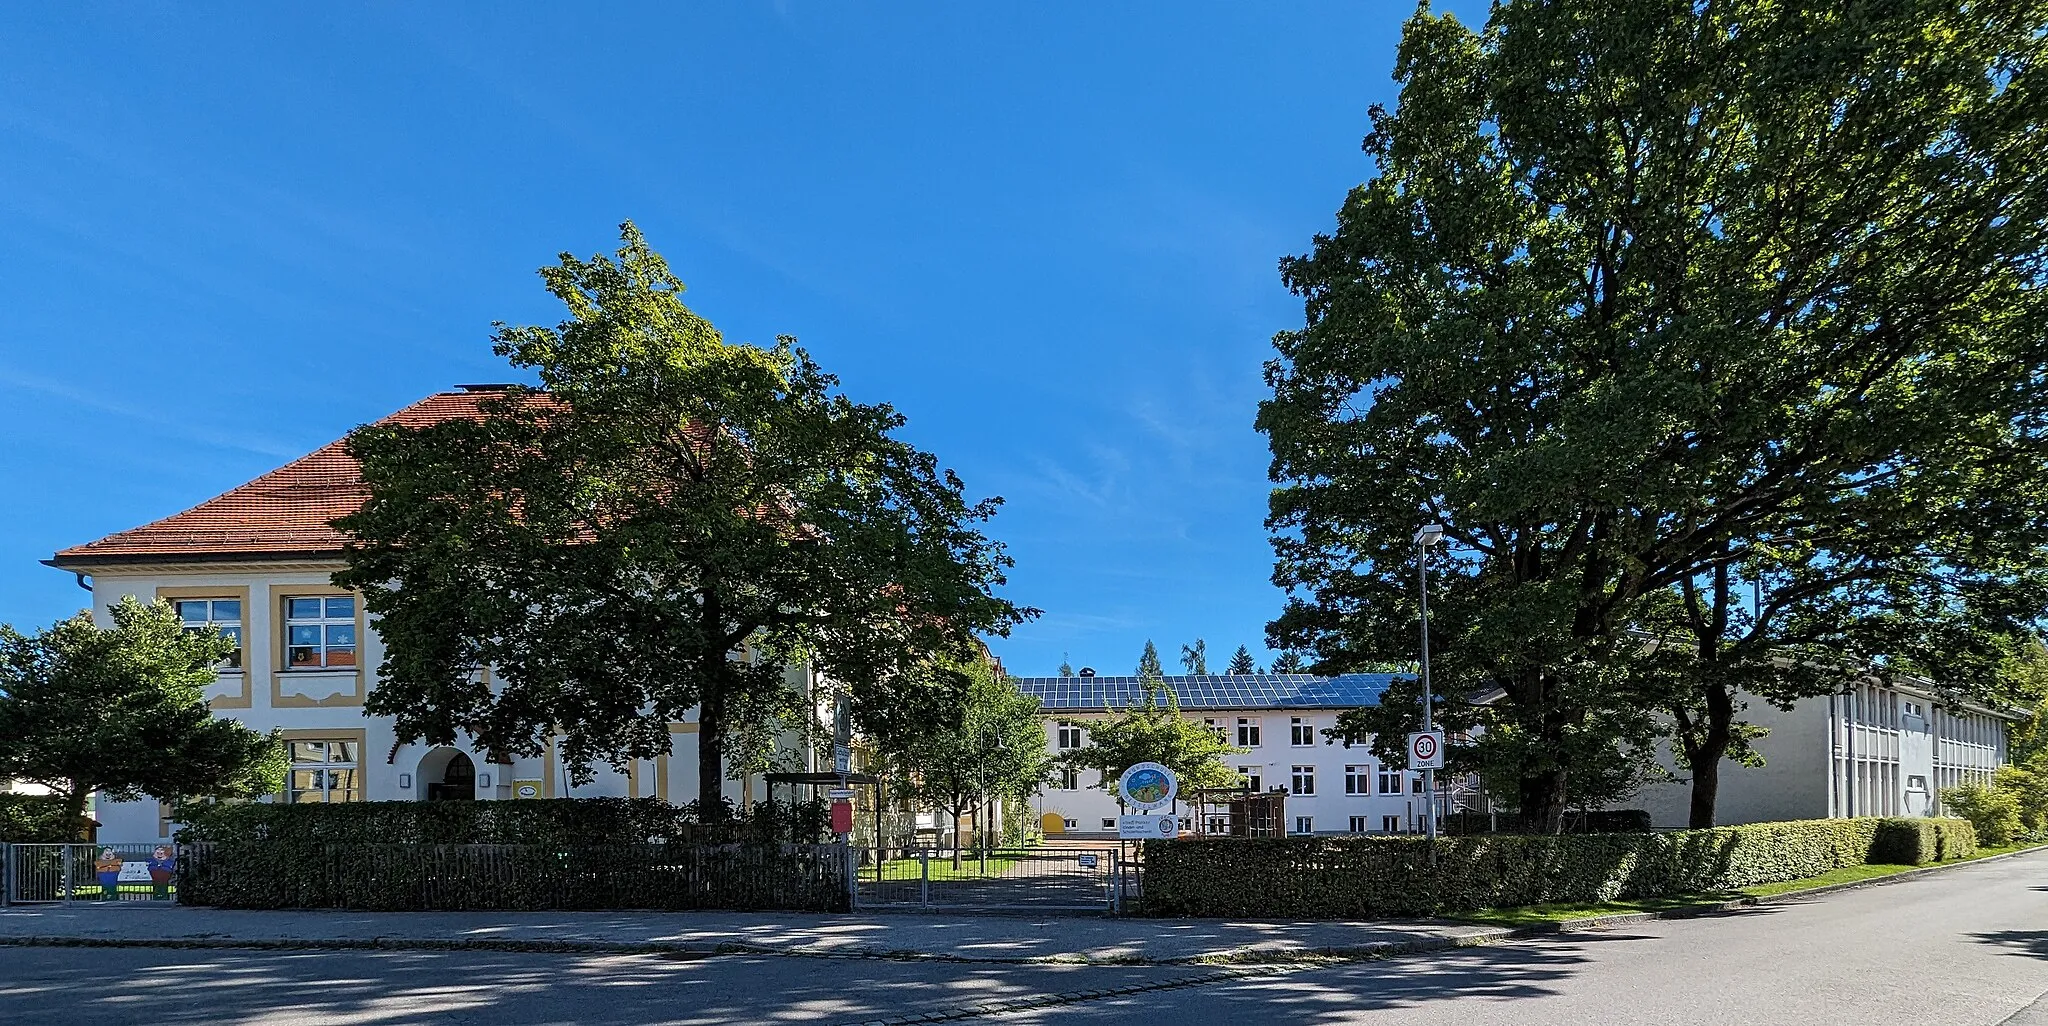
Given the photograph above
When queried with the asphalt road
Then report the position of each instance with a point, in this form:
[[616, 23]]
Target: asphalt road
[[1967, 947]]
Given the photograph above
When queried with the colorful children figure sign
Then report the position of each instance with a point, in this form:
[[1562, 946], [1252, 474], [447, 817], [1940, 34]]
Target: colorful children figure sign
[[108, 868], [163, 866]]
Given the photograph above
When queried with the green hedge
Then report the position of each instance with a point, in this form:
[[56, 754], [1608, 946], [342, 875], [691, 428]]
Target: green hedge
[[33, 819], [557, 821], [1915, 841], [581, 853], [453, 877], [1364, 877]]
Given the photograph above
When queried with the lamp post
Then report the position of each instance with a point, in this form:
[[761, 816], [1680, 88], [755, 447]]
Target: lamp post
[[1425, 537]]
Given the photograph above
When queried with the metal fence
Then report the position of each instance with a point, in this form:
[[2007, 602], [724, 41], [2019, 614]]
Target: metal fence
[[40, 873], [1065, 879]]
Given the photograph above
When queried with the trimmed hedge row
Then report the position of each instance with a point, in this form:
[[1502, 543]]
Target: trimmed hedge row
[[274, 874], [33, 819], [1363, 877], [556, 821]]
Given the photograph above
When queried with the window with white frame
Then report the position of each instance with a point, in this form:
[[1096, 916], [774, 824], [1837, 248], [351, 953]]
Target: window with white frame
[[1390, 824], [320, 633], [1070, 778], [1069, 736], [1217, 728], [1358, 780], [1390, 782], [1358, 825], [1304, 779], [324, 771], [1304, 825], [1251, 778], [1247, 732], [1415, 783], [1109, 822], [1301, 732], [223, 615], [1073, 824]]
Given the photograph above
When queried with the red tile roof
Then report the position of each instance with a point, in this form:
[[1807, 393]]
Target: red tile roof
[[283, 514]]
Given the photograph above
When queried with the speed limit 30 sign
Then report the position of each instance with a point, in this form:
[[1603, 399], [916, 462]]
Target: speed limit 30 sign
[[1426, 750]]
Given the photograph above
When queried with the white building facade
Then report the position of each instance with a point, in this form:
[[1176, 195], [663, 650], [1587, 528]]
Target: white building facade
[[257, 563], [1882, 747], [1278, 720]]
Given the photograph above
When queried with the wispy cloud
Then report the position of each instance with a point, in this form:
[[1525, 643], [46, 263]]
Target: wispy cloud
[[182, 426]]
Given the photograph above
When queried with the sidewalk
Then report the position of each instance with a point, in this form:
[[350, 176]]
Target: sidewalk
[[899, 935]]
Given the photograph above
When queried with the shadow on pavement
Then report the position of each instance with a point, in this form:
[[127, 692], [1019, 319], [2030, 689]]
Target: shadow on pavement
[[2022, 942], [78, 986]]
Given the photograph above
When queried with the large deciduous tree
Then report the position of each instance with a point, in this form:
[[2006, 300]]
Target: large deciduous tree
[[122, 710], [1638, 285], [674, 521]]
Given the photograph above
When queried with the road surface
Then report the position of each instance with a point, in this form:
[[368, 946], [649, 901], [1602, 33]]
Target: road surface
[[1968, 947]]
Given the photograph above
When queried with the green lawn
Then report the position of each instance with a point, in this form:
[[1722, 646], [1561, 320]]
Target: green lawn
[[1533, 915], [971, 868]]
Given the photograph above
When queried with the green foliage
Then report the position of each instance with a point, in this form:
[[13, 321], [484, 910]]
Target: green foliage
[[1066, 668], [122, 711], [1916, 840], [670, 499], [996, 750], [35, 819], [1367, 877], [1644, 298], [1152, 729], [1148, 661], [1995, 812], [562, 853], [1241, 662], [2029, 787], [1290, 662], [551, 821], [523, 877], [1195, 657]]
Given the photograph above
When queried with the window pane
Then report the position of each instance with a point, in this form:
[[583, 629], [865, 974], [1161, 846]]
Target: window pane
[[303, 609], [233, 632], [228, 609], [341, 657], [341, 609], [192, 612], [342, 752], [303, 657], [305, 635], [307, 780], [341, 635], [309, 751], [300, 797]]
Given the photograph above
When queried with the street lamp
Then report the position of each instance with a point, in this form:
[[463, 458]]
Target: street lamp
[[1426, 536]]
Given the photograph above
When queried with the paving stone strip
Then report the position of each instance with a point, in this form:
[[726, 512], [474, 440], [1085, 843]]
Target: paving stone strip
[[1037, 1001]]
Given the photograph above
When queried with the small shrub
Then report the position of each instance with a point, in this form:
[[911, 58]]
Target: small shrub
[[1917, 841], [1994, 812]]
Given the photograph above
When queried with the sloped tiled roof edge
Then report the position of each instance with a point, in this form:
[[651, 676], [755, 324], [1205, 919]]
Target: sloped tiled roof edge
[[282, 515]]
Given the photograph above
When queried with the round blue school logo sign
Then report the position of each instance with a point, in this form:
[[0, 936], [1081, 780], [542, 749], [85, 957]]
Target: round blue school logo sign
[[1147, 785]]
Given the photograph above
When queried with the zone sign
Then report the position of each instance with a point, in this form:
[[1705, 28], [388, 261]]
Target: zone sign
[[1426, 750]]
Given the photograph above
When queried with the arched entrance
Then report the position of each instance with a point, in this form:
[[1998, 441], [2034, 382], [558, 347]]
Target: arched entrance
[[457, 783]]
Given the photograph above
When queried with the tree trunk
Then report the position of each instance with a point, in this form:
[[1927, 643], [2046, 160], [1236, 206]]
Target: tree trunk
[[74, 811], [1717, 732], [710, 758], [1543, 797], [959, 812]]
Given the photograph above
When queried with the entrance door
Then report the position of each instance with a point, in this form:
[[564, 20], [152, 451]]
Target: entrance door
[[458, 781]]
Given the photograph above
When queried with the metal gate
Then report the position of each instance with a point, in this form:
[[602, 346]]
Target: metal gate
[[1008, 879], [34, 873]]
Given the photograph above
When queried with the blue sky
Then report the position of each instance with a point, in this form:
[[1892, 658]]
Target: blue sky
[[1048, 234]]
